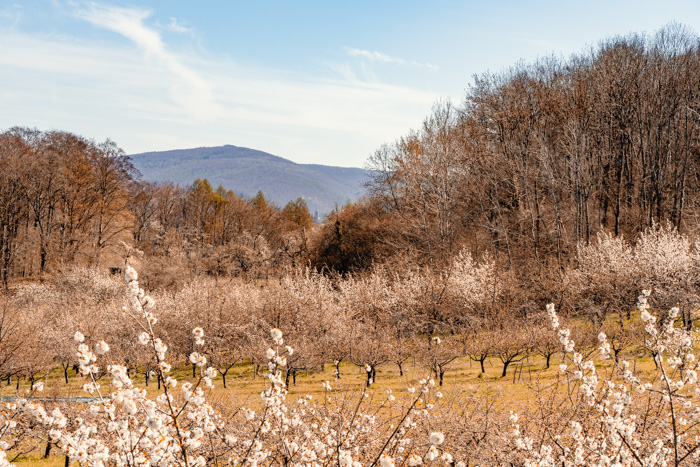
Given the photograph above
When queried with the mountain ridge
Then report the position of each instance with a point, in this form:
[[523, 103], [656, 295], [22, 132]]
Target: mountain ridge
[[247, 171]]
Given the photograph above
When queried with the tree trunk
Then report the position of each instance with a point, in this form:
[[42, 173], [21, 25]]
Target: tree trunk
[[43, 259], [369, 377], [505, 368]]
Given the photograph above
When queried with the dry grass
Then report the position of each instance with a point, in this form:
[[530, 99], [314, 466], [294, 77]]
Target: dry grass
[[35, 460], [516, 391], [462, 375]]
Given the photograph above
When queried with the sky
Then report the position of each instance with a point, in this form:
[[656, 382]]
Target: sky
[[322, 82]]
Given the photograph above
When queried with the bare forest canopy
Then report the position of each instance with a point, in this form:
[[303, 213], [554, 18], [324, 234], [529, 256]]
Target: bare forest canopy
[[533, 163], [66, 200], [545, 155]]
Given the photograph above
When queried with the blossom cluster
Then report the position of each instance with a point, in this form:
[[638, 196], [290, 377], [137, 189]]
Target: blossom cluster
[[615, 415], [612, 428], [178, 426]]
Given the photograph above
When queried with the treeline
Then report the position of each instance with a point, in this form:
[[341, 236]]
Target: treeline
[[535, 161], [68, 200], [62, 199], [538, 159], [382, 319], [200, 230]]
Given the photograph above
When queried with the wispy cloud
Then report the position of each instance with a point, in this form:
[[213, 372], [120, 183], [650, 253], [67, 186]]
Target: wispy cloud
[[380, 57], [188, 88], [101, 90], [11, 15], [175, 26], [105, 88]]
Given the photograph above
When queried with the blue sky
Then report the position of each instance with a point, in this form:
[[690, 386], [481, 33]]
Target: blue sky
[[317, 82]]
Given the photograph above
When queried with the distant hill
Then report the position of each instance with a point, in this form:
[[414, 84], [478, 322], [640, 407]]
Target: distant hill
[[246, 171]]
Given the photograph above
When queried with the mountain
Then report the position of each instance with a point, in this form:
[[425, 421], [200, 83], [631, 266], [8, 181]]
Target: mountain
[[246, 171]]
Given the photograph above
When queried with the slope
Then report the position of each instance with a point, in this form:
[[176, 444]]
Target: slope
[[246, 171]]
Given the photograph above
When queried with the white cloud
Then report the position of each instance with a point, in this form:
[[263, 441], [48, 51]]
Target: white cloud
[[189, 89], [175, 26], [12, 15], [383, 58], [103, 89]]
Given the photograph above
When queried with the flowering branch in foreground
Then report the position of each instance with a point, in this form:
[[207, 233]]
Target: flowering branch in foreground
[[129, 427], [610, 427]]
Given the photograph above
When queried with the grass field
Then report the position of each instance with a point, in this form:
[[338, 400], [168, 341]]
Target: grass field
[[463, 377]]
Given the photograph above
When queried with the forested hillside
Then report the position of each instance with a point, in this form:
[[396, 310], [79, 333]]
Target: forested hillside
[[535, 161], [543, 156], [247, 171]]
